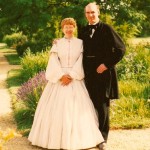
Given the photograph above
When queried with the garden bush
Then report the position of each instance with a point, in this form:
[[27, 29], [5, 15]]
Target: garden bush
[[38, 43], [136, 63], [34, 47], [33, 63], [28, 96], [15, 39], [21, 49]]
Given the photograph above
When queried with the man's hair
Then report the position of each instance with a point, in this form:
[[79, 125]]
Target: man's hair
[[93, 3], [68, 21]]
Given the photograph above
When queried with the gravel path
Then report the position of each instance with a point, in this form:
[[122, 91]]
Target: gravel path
[[136, 139]]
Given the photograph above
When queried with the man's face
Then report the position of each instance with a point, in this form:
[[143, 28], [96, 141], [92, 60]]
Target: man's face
[[92, 13]]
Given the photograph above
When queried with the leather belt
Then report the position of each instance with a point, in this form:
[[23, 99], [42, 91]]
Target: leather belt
[[90, 56]]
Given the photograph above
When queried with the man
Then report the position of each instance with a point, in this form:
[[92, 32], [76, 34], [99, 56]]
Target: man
[[103, 49]]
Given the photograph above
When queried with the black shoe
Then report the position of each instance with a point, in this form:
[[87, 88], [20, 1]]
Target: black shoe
[[102, 146]]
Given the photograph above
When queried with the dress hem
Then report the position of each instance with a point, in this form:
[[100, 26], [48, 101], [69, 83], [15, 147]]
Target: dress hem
[[66, 148]]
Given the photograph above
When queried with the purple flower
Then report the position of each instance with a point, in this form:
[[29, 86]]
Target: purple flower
[[29, 88]]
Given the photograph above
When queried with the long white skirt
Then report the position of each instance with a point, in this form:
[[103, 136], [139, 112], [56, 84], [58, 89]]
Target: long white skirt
[[65, 118]]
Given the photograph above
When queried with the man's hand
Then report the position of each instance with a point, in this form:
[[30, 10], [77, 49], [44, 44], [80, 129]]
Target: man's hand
[[65, 79], [101, 68], [55, 41]]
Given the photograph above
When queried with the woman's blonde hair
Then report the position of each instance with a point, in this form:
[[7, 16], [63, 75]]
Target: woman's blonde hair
[[68, 21]]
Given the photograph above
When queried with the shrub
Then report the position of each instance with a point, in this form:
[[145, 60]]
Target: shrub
[[135, 64], [34, 47], [33, 63], [21, 49], [43, 39], [28, 96], [126, 31], [39, 42], [15, 39]]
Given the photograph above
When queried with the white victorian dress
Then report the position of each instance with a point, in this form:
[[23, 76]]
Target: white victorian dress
[[65, 117]]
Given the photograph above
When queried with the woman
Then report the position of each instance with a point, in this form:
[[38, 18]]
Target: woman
[[65, 117]]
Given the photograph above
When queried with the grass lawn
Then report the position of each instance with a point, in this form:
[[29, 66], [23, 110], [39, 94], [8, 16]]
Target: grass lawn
[[10, 54], [14, 78], [13, 59], [139, 40]]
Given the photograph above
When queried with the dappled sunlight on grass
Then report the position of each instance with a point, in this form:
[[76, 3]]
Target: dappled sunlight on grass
[[2, 45], [13, 58], [7, 135], [14, 78], [136, 41], [129, 112], [133, 89], [7, 50]]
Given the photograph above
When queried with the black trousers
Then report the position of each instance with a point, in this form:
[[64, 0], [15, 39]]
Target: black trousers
[[97, 91]]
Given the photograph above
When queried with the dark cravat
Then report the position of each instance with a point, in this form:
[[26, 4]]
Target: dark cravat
[[92, 26]]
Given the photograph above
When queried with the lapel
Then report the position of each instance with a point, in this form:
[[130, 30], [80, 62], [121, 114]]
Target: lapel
[[86, 32], [98, 30]]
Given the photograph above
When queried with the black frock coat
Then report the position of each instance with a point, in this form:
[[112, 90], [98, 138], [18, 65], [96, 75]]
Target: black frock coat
[[106, 47]]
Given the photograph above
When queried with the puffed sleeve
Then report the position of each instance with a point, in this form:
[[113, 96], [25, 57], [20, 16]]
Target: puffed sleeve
[[53, 69], [77, 72]]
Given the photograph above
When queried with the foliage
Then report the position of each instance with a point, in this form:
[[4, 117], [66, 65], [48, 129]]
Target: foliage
[[14, 78], [144, 7], [22, 48], [136, 63], [129, 112], [137, 90], [126, 31], [29, 94], [34, 19], [42, 17], [33, 64], [127, 20], [34, 47], [13, 59], [133, 108], [29, 15], [39, 42], [15, 39]]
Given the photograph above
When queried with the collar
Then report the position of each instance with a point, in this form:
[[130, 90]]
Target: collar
[[95, 23]]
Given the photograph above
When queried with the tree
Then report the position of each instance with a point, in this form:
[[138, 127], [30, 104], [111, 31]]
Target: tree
[[126, 19], [32, 17], [36, 18], [143, 7], [24, 15]]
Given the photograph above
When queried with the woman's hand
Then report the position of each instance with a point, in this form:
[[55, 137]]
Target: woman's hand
[[65, 79]]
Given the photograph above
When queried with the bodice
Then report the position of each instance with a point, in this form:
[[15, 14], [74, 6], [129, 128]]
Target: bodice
[[68, 51]]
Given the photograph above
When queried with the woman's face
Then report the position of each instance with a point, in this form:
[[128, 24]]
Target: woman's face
[[68, 30]]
